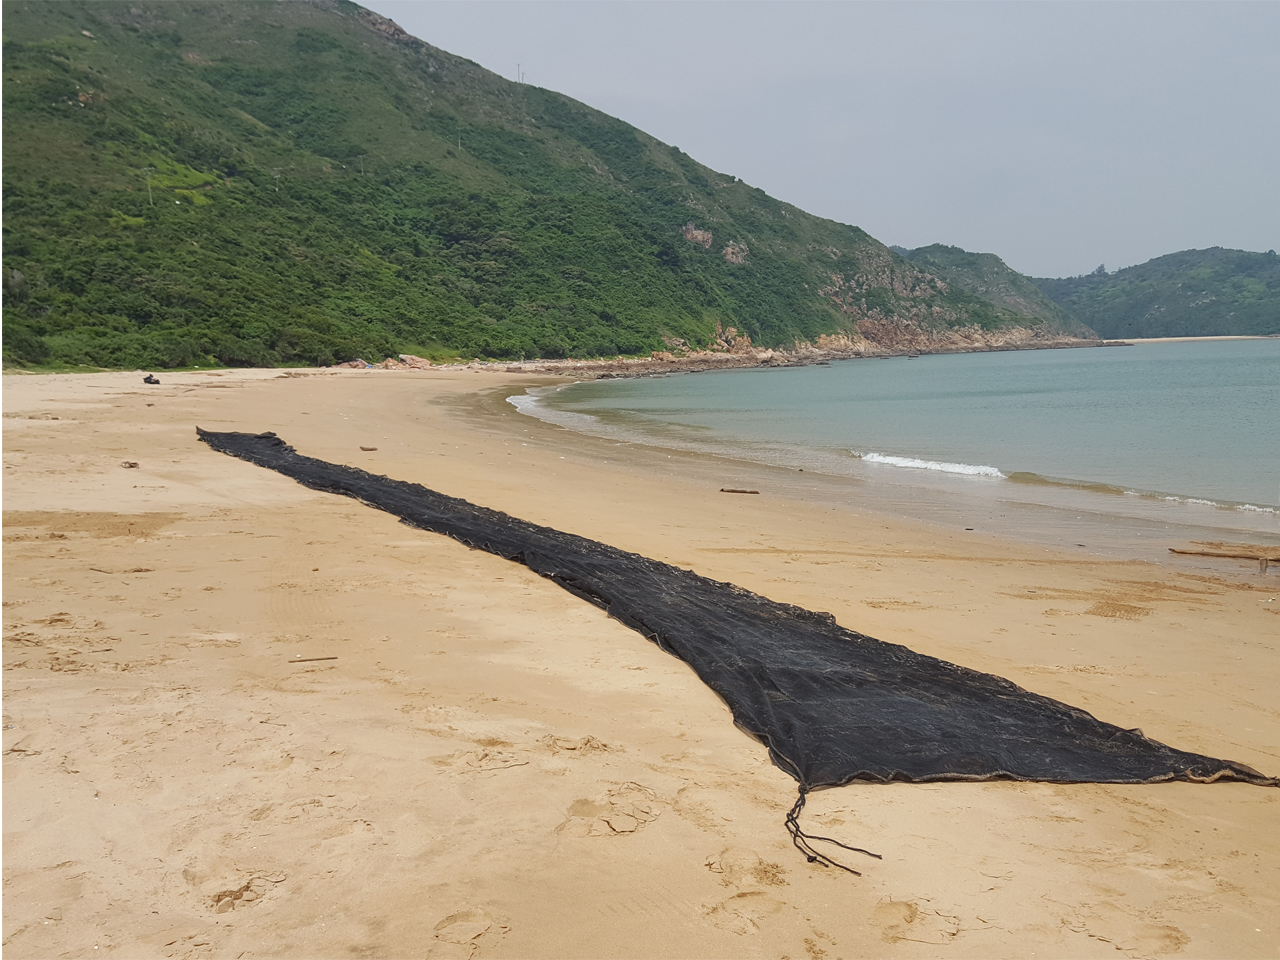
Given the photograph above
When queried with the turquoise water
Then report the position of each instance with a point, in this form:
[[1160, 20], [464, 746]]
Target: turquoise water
[[1169, 434]]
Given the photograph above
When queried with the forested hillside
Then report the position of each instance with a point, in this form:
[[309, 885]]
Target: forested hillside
[[1195, 293], [261, 183], [987, 276]]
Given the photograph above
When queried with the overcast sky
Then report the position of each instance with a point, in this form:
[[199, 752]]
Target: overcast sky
[[1058, 136]]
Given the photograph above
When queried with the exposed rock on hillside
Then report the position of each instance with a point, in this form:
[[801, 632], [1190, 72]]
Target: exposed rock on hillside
[[986, 276]]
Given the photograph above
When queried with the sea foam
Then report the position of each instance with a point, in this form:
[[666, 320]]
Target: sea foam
[[942, 466]]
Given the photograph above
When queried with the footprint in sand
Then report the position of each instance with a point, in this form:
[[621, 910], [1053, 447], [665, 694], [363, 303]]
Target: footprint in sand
[[626, 808], [750, 877], [745, 870], [458, 936], [485, 760], [743, 913], [1128, 931], [909, 920], [580, 747]]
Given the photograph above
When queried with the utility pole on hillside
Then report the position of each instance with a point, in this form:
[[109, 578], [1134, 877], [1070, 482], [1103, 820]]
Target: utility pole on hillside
[[147, 172], [276, 173], [361, 159]]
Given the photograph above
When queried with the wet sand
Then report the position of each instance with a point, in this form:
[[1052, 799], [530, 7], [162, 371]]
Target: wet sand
[[491, 767]]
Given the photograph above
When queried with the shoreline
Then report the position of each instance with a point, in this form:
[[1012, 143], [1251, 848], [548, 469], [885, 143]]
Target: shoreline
[[1116, 522], [737, 353], [1141, 341], [492, 767]]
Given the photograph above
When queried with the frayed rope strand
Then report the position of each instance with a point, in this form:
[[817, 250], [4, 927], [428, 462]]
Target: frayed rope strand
[[801, 840]]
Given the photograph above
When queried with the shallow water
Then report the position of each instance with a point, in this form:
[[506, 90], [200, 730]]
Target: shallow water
[[1111, 447]]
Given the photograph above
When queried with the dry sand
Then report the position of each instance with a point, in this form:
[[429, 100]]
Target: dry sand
[[493, 768]]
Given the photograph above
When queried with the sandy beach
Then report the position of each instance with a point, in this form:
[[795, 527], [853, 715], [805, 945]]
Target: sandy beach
[[1138, 341], [488, 766]]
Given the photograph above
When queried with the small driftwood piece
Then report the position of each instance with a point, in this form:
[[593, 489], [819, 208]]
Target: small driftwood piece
[[311, 659], [733, 490], [1234, 551]]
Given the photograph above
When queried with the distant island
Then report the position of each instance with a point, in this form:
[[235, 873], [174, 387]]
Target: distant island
[[255, 184]]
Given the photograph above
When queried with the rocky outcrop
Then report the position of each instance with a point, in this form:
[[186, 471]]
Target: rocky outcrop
[[701, 237], [387, 27], [729, 340], [734, 350], [889, 337]]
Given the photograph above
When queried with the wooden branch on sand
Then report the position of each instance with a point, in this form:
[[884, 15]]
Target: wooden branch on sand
[[1234, 551]]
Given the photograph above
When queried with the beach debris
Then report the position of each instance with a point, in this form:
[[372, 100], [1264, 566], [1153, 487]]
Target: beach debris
[[735, 490], [150, 378], [310, 659], [226, 900], [356, 364], [1233, 551], [368, 449], [833, 705], [130, 464]]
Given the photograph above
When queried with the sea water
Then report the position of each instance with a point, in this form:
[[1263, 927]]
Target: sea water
[[1114, 447]]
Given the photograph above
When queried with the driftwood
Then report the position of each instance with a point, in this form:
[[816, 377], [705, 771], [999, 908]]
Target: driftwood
[[1233, 551], [732, 490]]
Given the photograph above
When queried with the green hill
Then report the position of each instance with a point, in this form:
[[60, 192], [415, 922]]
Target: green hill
[[1195, 293], [987, 276], [261, 182]]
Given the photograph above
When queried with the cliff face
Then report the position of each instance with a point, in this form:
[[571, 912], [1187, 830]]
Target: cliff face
[[878, 338], [241, 182]]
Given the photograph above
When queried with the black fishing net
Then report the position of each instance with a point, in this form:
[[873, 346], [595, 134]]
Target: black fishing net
[[831, 705]]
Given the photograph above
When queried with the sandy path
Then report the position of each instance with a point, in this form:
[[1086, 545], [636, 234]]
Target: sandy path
[[494, 768]]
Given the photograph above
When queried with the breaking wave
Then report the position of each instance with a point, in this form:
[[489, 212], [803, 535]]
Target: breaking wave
[[1110, 488], [942, 466]]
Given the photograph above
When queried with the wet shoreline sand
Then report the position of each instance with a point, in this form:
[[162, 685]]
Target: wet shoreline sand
[[1137, 341], [492, 767]]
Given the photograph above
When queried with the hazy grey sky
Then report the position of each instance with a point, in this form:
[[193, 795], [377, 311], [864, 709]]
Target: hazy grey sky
[[1058, 136]]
